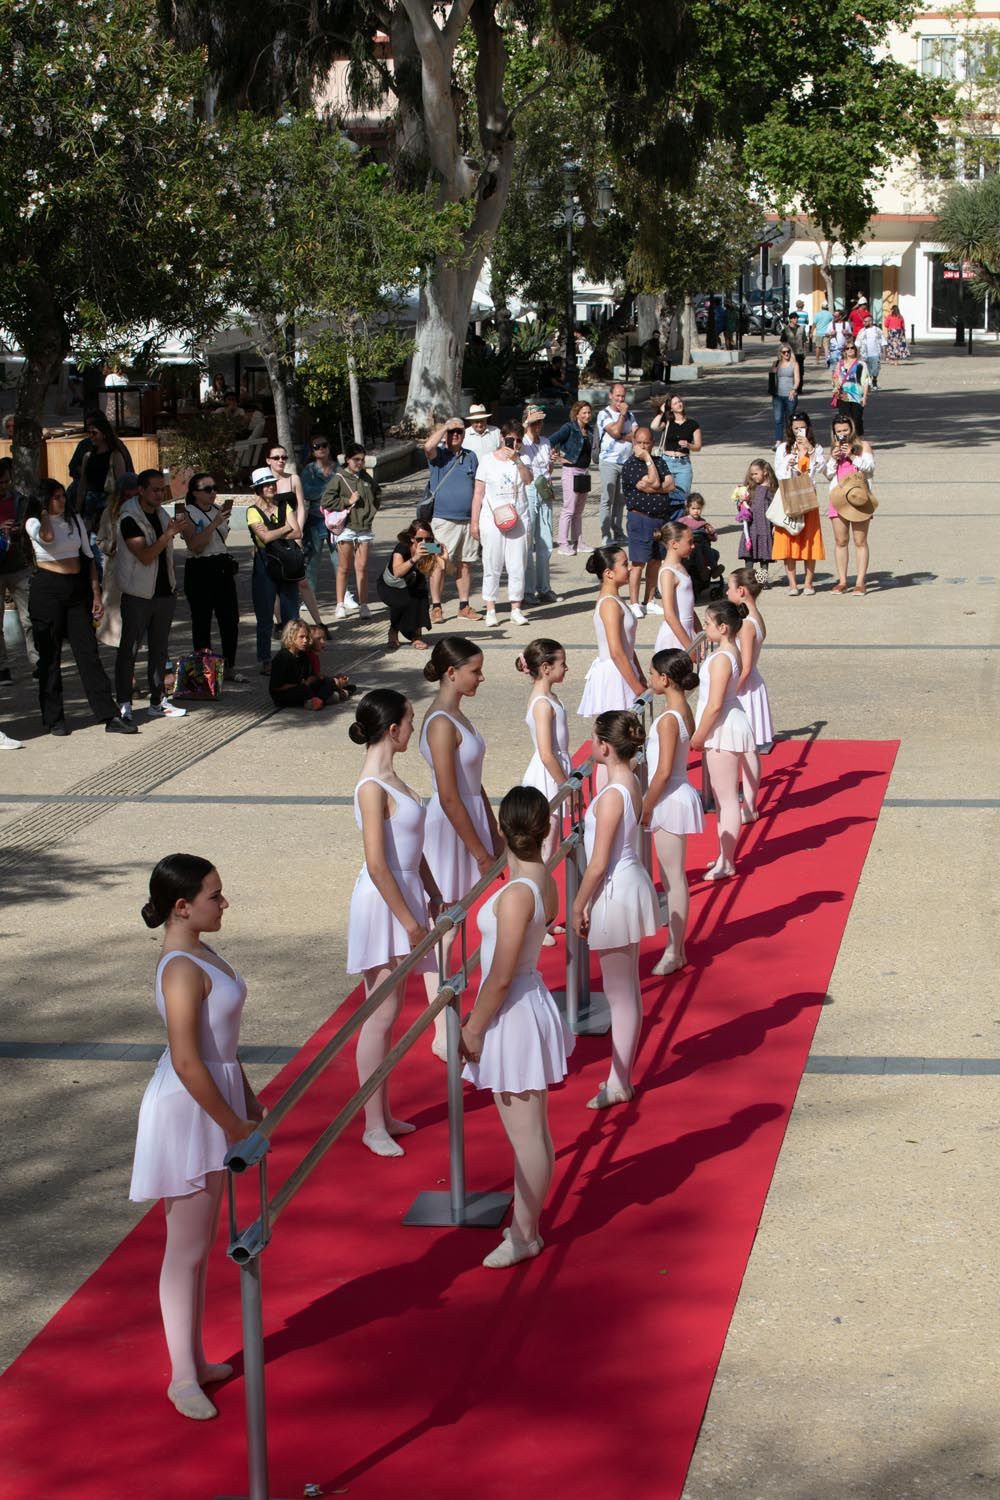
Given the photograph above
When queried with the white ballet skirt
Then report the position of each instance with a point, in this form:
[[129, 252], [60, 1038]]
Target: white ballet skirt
[[624, 908], [536, 775], [453, 867], [678, 809], [374, 934], [177, 1143], [526, 1044], [754, 700], [604, 687], [732, 730], [666, 640]]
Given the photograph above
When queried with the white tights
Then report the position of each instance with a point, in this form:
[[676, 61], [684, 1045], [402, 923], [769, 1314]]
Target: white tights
[[192, 1222], [671, 849], [525, 1118], [620, 975], [725, 768], [373, 1044], [432, 983]]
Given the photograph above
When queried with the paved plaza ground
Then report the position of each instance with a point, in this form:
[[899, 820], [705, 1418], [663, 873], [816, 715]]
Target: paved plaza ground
[[861, 1361]]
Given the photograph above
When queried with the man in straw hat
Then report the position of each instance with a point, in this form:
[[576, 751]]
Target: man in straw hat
[[480, 437], [536, 452]]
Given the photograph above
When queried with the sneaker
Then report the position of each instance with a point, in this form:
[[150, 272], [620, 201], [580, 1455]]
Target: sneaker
[[364, 613], [236, 678], [118, 726], [466, 612], [61, 729], [437, 614], [566, 552], [531, 600], [125, 709], [340, 613], [165, 710], [652, 608], [549, 597], [351, 604], [517, 617], [490, 617], [6, 743], [637, 610]]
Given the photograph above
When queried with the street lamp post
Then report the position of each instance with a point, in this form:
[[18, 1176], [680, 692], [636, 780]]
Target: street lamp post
[[571, 173]]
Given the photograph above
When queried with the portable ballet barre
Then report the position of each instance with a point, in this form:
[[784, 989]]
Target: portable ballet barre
[[585, 1013]]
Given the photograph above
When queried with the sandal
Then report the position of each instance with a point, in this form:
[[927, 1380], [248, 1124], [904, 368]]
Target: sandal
[[419, 645], [793, 591], [861, 592], [839, 588]]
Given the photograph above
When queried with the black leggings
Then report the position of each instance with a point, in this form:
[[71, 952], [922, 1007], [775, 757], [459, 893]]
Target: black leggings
[[60, 606], [211, 589]]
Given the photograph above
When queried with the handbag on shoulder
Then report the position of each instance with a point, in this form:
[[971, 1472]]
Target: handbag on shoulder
[[776, 515], [798, 495]]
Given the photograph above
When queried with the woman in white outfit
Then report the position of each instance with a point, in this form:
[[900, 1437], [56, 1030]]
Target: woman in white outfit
[[514, 1039], [197, 1104], [616, 905], [462, 839], [680, 623], [544, 661], [724, 734], [389, 912], [751, 690], [502, 487], [671, 808]]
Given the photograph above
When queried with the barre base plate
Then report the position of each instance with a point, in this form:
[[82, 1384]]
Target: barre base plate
[[594, 1018], [482, 1211]]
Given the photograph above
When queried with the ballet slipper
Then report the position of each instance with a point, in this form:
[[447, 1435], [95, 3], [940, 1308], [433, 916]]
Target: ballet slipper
[[748, 814], [669, 963], [606, 1097], [440, 1049], [381, 1143], [211, 1374], [719, 873], [191, 1401], [511, 1251], [548, 941], [557, 929], [399, 1127]]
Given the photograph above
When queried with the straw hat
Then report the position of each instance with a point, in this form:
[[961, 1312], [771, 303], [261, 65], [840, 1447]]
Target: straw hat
[[262, 476], [852, 499], [478, 413]]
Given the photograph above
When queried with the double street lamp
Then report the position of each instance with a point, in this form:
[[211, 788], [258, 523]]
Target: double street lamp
[[571, 211]]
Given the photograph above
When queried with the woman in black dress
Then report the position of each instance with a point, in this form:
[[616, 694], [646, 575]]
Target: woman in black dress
[[403, 587]]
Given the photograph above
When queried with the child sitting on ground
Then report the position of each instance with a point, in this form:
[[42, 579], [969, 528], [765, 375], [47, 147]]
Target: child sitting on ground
[[296, 681]]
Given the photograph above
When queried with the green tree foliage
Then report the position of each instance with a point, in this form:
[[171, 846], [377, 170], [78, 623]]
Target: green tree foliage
[[108, 210], [969, 226]]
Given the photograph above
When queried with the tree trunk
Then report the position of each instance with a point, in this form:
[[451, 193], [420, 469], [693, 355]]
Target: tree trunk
[[276, 375], [664, 327], [355, 390], [291, 441], [646, 316], [687, 324], [44, 353]]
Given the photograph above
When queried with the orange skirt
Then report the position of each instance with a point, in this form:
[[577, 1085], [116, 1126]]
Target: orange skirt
[[806, 547]]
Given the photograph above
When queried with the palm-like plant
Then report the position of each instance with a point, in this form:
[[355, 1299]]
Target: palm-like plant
[[969, 226]]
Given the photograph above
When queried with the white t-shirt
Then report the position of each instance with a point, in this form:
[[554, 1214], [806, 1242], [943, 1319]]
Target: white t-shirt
[[481, 443], [538, 457], [504, 485], [614, 450], [68, 539]]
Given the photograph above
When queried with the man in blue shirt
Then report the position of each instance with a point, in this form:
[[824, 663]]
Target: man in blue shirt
[[822, 323], [450, 484]]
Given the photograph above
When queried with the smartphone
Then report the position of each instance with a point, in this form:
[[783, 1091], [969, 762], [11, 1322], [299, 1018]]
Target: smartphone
[[434, 548]]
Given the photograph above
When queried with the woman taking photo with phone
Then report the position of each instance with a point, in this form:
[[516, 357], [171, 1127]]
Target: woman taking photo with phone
[[210, 571], [404, 588]]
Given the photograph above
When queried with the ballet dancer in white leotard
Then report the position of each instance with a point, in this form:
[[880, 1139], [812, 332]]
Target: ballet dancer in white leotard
[[462, 839], [514, 1040], [544, 661], [616, 905], [671, 808], [197, 1104], [614, 679], [744, 589], [389, 905], [680, 623], [723, 732]]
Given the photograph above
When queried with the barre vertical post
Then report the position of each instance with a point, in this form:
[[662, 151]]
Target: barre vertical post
[[572, 940], [252, 1310], [456, 1113]]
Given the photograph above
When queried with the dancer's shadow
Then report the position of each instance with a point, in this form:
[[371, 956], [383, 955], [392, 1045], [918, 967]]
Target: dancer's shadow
[[812, 796], [726, 935], [767, 850], [647, 1177], [735, 1038]]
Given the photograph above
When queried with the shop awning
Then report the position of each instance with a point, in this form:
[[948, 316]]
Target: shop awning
[[875, 253]]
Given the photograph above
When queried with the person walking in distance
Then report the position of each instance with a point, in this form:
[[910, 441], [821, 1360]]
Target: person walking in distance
[[514, 1040], [197, 1104], [450, 487], [615, 426], [145, 563]]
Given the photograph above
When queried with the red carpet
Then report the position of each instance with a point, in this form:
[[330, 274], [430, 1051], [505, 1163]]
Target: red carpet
[[397, 1367]]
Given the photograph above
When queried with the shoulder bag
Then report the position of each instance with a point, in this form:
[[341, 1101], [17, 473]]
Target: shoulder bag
[[284, 559], [425, 507], [505, 517], [798, 495], [776, 515]]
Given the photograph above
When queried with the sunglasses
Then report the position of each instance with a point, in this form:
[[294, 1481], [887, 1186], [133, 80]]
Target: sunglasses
[[273, 456], [321, 447], [205, 489]]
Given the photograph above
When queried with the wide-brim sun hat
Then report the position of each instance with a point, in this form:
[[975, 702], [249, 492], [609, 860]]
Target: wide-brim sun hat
[[478, 413], [852, 499], [262, 476]]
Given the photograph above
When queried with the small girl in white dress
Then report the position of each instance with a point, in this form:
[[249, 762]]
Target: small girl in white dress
[[514, 1040], [462, 840], [197, 1104], [744, 589], [671, 808], [616, 906], [389, 913], [545, 663], [723, 732]]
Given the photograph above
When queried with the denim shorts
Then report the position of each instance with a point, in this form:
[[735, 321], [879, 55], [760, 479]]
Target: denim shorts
[[641, 547]]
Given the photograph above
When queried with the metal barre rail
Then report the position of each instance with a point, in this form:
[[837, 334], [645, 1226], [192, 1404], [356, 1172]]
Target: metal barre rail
[[246, 1247]]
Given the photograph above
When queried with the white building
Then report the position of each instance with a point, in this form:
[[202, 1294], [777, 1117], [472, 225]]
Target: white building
[[900, 260]]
